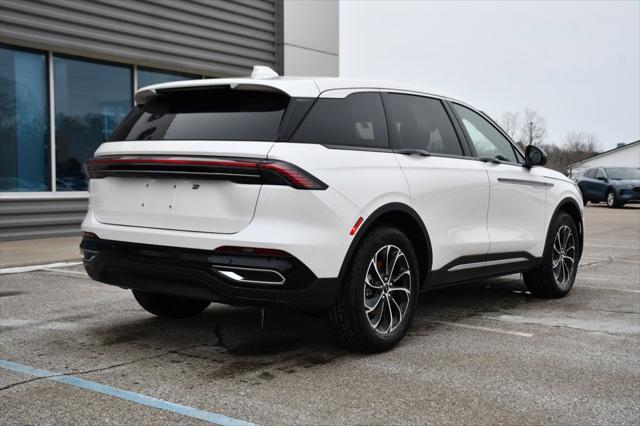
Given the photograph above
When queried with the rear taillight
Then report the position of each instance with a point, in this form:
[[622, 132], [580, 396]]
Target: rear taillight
[[269, 172]]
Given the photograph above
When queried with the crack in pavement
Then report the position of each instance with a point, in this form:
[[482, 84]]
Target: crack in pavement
[[79, 373]]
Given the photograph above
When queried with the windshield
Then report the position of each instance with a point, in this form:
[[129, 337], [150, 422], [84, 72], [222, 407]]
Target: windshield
[[217, 113], [623, 173]]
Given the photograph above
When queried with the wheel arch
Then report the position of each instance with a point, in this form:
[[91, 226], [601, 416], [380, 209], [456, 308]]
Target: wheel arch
[[570, 206], [404, 218]]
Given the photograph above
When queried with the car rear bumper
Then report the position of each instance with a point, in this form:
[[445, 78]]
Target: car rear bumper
[[236, 279]]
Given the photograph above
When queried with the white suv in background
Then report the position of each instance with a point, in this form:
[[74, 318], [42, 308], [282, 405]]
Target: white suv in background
[[349, 197]]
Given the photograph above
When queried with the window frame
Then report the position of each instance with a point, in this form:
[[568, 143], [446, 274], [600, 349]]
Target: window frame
[[51, 142], [516, 150], [343, 94], [466, 153]]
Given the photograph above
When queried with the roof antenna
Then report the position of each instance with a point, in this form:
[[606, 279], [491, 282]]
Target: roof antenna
[[260, 72]]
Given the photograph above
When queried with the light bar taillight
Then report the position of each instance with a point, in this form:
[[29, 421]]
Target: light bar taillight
[[241, 170]]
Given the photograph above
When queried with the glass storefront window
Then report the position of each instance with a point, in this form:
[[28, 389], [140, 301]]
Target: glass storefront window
[[148, 76], [90, 99], [24, 130]]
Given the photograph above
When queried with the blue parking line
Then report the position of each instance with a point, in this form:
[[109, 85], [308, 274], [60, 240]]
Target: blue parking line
[[138, 398]]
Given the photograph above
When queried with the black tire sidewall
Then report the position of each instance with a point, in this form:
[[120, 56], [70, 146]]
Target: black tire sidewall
[[553, 288], [615, 199]]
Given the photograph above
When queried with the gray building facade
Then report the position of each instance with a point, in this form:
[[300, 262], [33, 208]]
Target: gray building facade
[[69, 69]]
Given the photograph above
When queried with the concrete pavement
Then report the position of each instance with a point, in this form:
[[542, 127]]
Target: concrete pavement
[[482, 353]]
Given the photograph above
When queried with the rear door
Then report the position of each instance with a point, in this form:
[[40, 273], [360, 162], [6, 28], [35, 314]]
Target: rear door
[[183, 160], [449, 190], [518, 200]]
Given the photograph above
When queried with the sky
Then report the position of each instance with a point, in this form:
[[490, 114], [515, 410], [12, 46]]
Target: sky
[[576, 62]]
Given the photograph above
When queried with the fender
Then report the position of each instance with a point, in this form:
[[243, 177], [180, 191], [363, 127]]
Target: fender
[[372, 219]]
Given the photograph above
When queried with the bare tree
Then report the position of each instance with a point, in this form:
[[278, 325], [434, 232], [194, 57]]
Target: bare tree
[[510, 123], [533, 129], [578, 146]]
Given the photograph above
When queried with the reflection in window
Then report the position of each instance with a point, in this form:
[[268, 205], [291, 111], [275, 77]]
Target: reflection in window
[[149, 76], [24, 152], [486, 139], [90, 99]]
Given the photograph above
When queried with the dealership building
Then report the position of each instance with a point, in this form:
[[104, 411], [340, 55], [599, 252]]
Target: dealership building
[[624, 155], [69, 70]]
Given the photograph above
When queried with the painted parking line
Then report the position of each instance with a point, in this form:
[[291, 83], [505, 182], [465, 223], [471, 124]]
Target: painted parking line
[[137, 398], [31, 268], [477, 327]]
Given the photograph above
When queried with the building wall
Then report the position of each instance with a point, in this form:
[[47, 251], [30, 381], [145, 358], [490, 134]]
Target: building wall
[[40, 218], [192, 37], [311, 38], [628, 156], [217, 38]]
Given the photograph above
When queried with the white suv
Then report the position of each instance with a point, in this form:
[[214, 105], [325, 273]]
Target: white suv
[[348, 197]]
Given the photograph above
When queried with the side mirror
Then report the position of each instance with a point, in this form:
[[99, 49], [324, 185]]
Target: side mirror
[[534, 156]]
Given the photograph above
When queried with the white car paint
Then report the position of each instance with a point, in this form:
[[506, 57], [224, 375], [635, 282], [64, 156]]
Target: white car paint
[[465, 207]]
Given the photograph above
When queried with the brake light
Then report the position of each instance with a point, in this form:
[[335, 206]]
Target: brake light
[[294, 176], [241, 170]]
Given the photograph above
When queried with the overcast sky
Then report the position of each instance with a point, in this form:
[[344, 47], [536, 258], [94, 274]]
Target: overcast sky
[[576, 62]]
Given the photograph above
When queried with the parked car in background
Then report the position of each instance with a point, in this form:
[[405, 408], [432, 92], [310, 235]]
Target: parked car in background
[[614, 185], [343, 196]]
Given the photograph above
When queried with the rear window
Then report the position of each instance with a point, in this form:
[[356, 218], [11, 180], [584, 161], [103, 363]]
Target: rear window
[[357, 120], [218, 113]]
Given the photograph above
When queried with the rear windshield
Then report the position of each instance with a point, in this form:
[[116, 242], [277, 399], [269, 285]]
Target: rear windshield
[[218, 113]]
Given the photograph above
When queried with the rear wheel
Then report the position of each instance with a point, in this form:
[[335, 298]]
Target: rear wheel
[[164, 305], [379, 293], [555, 276]]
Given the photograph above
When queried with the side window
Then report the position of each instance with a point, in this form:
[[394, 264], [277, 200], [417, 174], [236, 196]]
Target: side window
[[600, 174], [486, 139], [357, 120], [591, 173], [418, 122]]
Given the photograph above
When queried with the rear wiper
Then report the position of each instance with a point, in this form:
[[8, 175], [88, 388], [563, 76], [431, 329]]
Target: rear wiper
[[409, 151]]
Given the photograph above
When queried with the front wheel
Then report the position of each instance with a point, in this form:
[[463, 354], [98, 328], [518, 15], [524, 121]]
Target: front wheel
[[612, 199], [555, 276], [379, 294], [164, 305]]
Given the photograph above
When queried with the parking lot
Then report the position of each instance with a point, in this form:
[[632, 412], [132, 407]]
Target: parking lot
[[485, 352]]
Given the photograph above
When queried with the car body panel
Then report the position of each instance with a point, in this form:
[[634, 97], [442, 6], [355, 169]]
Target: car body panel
[[470, 209]]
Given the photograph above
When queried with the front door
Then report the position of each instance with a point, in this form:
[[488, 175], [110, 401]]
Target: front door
[[517, 206]]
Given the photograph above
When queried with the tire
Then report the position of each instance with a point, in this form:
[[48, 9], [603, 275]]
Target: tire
[[547, 281], [612, 199], [164, 305], [391, 296]]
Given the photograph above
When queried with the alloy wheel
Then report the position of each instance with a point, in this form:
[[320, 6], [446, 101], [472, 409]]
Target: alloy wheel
[[610, 198], [387, 289], [564, 255]]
